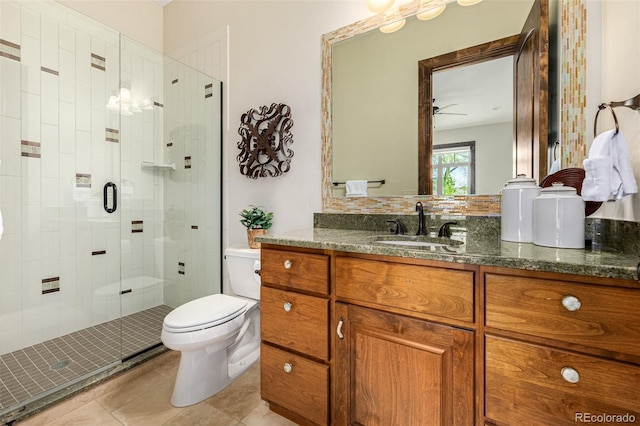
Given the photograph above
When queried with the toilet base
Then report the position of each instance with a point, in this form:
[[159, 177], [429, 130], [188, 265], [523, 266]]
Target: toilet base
[[202, 374]]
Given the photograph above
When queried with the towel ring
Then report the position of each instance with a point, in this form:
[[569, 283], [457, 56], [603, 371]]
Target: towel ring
[[615, 119]]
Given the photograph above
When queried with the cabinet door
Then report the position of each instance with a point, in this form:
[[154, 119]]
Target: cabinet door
[[396, 370]]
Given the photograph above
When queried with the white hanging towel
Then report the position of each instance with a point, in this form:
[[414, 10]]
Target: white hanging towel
[[356, 188], [608, 173]]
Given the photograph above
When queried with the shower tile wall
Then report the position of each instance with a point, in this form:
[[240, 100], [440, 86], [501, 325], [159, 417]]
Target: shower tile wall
[[192, 255], [59, 145]]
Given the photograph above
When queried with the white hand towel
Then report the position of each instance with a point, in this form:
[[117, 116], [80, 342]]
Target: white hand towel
[[622, 167], [356, 188], [608, 173]]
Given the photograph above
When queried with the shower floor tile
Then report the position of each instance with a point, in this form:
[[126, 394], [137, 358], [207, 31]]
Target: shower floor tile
[[30, 371]]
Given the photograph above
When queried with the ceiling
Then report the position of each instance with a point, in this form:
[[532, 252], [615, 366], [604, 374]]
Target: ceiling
[[483, 91]]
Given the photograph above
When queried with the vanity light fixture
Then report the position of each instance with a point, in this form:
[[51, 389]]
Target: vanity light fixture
[[396, 21], [430, 13], [468, 2], [377, 6]]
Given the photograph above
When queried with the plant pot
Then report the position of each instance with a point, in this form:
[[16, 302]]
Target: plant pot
[[251, 234]]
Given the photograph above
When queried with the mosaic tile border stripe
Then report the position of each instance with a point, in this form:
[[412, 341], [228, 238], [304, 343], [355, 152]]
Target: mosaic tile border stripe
[[112, 135], [479, 205], [10, 50], [574, 70], [30, 149], [137, 226], [49, 70], [83, 180], [98, 62]]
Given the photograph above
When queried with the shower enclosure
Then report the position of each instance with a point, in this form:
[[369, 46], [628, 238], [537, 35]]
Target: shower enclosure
[[110, 194]]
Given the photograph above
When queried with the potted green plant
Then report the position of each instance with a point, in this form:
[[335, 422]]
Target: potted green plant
[[257, 221]]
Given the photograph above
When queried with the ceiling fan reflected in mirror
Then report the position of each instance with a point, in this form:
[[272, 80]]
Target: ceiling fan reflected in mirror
[[438, 110]]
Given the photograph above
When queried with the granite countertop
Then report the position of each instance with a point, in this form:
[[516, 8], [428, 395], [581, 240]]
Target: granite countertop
[[479, 251]]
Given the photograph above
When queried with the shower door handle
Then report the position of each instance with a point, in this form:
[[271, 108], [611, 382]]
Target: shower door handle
[[105, 198]]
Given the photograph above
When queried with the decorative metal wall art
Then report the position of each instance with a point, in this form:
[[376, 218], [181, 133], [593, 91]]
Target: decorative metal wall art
[[266, 139]]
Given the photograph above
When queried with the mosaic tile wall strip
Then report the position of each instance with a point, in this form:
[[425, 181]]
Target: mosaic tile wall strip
[[10, 50], [30, 149], [573, 122], [98, 62], [49, 70], [112, 135], [50, 285], [574, 69], [83, 180], [136, 226]]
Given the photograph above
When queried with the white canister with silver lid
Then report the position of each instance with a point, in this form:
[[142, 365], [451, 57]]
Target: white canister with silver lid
[[516, 208], [558, 217]]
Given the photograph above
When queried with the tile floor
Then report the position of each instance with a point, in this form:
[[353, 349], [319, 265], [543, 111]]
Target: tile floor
[[28, 372], [141, 397]]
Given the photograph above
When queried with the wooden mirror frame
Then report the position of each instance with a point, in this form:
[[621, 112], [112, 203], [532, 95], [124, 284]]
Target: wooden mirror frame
[[472, 55]]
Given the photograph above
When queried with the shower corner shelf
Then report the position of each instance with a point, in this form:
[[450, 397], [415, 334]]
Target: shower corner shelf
[[158, 166]]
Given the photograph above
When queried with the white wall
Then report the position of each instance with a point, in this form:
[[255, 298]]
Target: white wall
[[274, 57], [138, 19], [620, 80]]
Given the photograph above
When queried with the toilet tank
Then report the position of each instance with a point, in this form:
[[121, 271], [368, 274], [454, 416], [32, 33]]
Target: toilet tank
[[242, 263]]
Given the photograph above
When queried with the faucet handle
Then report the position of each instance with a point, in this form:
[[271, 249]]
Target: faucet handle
[[399, 229], [419, 207], [445, 229]]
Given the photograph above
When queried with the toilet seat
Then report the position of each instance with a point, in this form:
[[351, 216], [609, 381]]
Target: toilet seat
[[205, 312]]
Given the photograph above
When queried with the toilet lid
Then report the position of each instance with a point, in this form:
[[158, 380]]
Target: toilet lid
[[205, 312]]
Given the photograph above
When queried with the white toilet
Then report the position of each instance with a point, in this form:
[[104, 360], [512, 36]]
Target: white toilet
[[218, 335]]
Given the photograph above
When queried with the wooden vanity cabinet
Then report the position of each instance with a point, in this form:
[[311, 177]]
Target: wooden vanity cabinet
[[559, 348], [394, 366], [294, 327]]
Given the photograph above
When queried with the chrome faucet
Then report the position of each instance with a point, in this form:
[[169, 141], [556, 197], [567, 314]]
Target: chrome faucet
[[421, 225]]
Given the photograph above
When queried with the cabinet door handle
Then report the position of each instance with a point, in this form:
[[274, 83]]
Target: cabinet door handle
[[287, 367], [571, 303], [339, 328], [287, 306], [570, 375], [287, 264]]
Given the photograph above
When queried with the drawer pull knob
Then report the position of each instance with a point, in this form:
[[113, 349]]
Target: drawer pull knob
[[571, 303], [339, 328], [287, 264], [287, 306], [288, 367], [570, 375]]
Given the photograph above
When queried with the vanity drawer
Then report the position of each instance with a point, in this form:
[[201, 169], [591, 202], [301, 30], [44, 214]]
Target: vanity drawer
[[607, 318], [295, 383], [295, 321], [303, 271], [423, 289], [525, 385]]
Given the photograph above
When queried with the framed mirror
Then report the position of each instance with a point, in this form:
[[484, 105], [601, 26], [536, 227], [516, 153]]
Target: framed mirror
[[367, 140]]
